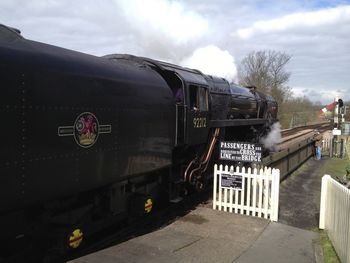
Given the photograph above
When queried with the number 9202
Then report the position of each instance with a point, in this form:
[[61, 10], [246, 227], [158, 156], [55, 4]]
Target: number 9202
[[199, 122]]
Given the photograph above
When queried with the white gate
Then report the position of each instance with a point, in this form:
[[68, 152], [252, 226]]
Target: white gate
[[243, 191], [335, 215]]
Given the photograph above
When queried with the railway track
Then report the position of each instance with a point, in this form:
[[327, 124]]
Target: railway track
[[294, 135], [296, 146], [321, 127]]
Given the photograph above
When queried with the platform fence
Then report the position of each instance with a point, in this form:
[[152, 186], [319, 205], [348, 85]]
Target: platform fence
[[335, 215], [248, 191], [326, 144]]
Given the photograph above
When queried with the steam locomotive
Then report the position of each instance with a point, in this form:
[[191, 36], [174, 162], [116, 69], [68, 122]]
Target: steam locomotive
[[88, 138]]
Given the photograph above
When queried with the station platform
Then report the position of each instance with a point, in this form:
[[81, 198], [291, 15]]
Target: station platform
[[206, 235]]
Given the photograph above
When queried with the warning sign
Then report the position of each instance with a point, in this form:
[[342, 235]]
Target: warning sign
[[233, 181], [240, 151]]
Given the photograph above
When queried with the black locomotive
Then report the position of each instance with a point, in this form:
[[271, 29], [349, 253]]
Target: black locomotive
[[87, 138]]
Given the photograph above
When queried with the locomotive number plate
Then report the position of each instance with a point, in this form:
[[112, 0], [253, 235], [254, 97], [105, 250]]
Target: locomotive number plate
[[199, 122]]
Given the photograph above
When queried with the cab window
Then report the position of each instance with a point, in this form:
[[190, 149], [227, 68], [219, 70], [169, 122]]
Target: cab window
[[198, 98]]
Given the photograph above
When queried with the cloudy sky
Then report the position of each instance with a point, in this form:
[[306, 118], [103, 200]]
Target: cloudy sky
[[213, 36]]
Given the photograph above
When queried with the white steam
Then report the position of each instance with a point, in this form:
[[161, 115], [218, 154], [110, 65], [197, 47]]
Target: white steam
[[273, 137], [213, 61]]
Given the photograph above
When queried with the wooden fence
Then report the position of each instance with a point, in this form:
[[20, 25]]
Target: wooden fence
[[326, 144], [335, 215], [240, 190]]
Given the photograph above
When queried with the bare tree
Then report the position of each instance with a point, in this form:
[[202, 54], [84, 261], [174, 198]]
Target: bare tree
[[266, 71], [298, 111]]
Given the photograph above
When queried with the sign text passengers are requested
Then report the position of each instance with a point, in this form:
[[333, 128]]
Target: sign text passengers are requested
[[240, 151]]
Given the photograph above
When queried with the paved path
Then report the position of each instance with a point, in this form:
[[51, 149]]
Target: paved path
[[282, 243], [207, 236], [300, 196]]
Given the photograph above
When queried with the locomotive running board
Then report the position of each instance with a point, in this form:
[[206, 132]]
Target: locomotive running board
[[237, 122]]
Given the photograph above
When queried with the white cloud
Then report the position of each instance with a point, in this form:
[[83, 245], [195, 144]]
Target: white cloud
[[176, 30], [164, 19], [322, 94], [214, 61], [297, 20]]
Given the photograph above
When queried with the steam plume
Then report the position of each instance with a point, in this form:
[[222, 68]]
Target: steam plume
[[273, 137], [214, 61]]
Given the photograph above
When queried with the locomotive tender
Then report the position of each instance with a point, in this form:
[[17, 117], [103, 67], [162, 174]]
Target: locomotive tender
[[86, 138]]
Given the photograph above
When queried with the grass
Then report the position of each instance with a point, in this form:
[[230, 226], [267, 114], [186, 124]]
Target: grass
[[335, 167], [329, 254]]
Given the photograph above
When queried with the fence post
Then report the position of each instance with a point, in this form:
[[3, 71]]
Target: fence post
[[258, 196], [324, 189], [215, 185], [275, 195], [331, 147]]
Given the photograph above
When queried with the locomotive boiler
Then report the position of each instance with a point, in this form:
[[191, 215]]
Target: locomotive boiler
[[86, 138]]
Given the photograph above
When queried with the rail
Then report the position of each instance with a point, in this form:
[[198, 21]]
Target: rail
[[316, 126], [289, 159]]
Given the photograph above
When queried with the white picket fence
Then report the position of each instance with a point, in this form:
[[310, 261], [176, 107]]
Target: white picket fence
[[335, 215], [245, 192], [326, 144]]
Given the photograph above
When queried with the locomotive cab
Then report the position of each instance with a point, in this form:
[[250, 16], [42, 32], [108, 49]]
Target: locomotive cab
[[191, 98], [197, 123]]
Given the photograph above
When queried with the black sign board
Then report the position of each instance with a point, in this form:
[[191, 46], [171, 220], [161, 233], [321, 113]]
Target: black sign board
[[240, 151], [233, 181]]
